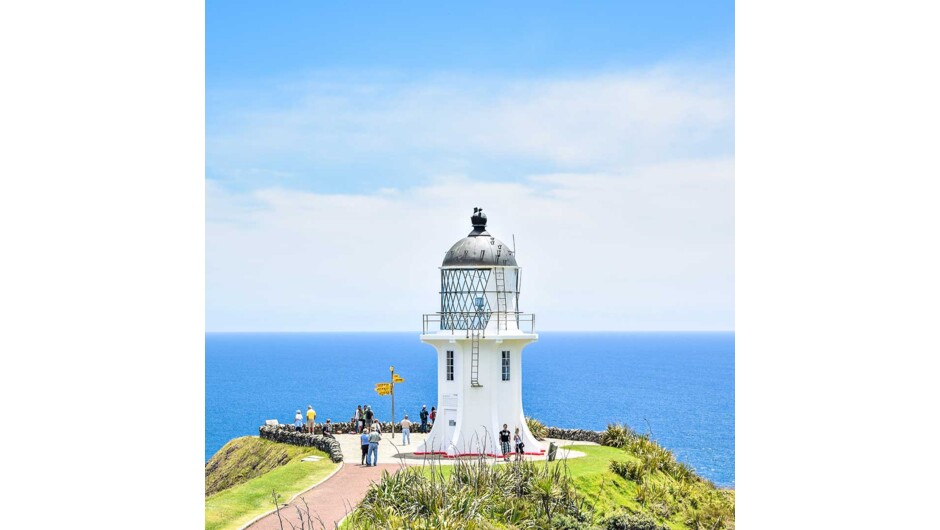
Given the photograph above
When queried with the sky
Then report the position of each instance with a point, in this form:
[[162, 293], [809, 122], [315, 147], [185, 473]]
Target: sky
[[347, 145]]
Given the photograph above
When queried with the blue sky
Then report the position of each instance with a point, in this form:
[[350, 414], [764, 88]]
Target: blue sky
[[323, 121]]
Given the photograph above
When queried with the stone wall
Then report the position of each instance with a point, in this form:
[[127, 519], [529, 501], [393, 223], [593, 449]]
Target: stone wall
[[288, 435], [579, 435]]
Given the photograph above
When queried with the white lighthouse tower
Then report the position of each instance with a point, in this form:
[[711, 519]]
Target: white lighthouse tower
[[479, 335]]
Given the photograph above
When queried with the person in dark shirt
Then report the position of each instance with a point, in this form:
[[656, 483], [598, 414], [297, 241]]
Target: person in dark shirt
[[504, 441], [369, 415], [424, 418]]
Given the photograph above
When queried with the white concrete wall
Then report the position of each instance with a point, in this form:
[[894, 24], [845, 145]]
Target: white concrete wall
[[480, 411]]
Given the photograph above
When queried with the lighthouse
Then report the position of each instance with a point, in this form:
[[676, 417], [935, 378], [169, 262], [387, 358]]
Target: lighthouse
[[479, 334]]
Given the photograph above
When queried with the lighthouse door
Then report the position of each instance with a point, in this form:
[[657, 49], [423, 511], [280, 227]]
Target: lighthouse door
[[450, 417]]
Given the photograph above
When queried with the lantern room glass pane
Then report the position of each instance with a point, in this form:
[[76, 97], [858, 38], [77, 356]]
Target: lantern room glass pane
[[464, 304]]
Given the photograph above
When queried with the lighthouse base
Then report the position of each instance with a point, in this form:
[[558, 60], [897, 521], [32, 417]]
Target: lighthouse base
[[471, 410]]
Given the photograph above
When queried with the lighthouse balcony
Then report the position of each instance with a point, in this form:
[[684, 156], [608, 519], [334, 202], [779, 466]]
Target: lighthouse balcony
[[488, 323]]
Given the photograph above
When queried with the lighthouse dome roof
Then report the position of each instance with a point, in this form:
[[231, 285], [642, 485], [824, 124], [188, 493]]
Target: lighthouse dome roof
[[479, 248]]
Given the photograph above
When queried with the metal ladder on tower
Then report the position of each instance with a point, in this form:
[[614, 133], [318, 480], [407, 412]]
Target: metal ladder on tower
[[502, 321], [475, 358]]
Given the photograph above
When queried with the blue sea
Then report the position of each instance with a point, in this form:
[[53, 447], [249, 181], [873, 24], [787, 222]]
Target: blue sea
[[677, 386]]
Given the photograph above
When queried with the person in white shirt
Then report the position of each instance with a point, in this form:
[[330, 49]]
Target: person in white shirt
[[405, 431]]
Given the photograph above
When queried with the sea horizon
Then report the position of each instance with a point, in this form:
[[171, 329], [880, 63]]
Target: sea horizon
[[676, 385]]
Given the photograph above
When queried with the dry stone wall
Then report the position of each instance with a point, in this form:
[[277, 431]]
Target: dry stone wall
[[288, 435], [580, 435]]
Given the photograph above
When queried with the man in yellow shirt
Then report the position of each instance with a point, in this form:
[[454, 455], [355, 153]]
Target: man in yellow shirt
[[311, 418]]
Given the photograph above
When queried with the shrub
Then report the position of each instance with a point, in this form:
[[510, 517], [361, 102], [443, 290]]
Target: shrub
[[536, 428], [476, 495], [634, 471], [616, 435], [568, 522], [633, 521]]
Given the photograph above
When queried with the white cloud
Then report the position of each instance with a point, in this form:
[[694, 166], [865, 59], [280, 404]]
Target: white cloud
[[626, 224], [606, 122], [648, 249]]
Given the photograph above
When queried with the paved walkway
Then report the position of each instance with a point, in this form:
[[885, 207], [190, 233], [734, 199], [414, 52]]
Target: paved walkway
[[391, 450], [331, 500]]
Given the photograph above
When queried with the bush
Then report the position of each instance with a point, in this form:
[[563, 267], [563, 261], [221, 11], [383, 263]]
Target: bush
[[568, 522], [616, 435], [634, 471], [536, 428], [475, 496], [633, 521]]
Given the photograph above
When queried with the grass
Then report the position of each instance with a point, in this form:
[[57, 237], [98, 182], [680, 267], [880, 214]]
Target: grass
[[606, 494], [247, 457], [473, 495], [234, 506]]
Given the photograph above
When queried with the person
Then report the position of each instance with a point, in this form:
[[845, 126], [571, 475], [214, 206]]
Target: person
[[311, 418], [504, 441], [405, 431], [432, 417], [377, 425], [424, 418], [362, 419], [364, 442], [369, 415], [374, 439], [328, 428], [357, 417], [298, 421], [519, 445]]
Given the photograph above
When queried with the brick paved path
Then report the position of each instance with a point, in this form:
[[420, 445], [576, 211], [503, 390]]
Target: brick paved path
[[331, 499]]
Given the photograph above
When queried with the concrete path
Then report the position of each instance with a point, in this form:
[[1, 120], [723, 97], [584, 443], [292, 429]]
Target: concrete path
[[392, 450], [331, 500]]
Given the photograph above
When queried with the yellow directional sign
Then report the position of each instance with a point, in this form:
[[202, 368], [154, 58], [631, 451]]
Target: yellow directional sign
[[397, 378], [383, 386]]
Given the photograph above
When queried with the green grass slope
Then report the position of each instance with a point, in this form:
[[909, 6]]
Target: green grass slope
[[636, 477], [250, 469], [245, 458]]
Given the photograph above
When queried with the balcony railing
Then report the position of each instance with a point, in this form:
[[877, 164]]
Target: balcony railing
[[490, 322]]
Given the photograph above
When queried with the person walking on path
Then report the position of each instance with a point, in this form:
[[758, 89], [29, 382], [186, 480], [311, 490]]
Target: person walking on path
[[357, 418], [298, 422], [424, 418], [374, 439], [520, 447], [504, 441], [369, 415], [364, 442], [405, 431], [311, 418], [432, 417]]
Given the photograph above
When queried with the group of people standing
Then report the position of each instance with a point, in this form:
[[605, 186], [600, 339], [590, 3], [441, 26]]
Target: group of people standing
[[300, 426], [363, 416], [370, 431], [504, 443]]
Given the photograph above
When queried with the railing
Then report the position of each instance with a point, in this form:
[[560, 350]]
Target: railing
[[463, 322]]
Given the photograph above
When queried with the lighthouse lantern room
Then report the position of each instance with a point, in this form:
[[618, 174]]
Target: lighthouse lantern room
[[479, 335]]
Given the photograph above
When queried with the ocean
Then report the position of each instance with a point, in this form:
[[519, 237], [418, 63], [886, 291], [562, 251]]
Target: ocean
[[677, 386]]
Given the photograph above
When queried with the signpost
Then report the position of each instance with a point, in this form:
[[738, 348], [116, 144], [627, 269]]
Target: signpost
[[386, 389]]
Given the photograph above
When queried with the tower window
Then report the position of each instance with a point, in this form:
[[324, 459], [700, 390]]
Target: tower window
[[505, 366], [450, 365]]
